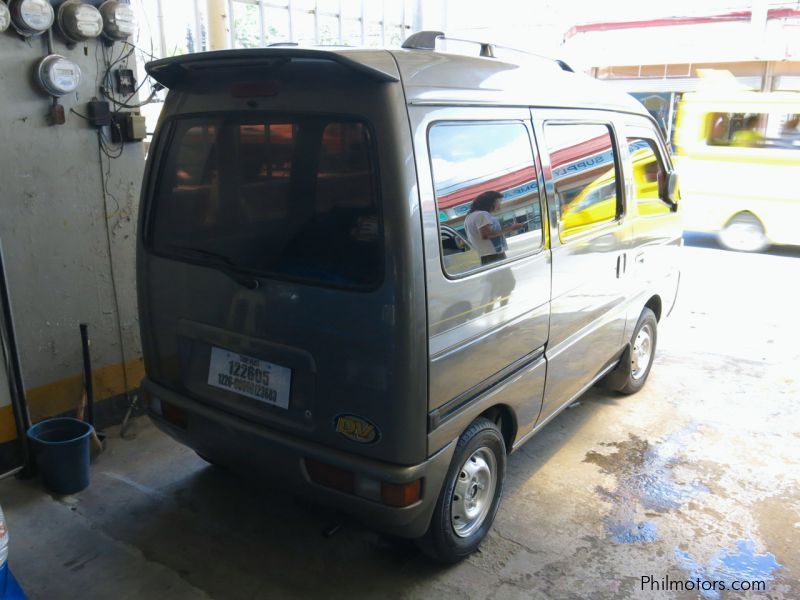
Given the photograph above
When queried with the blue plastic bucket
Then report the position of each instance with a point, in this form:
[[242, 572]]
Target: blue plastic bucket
[[61, 449]]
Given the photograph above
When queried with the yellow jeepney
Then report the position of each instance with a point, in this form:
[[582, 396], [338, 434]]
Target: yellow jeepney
[[738, 157]]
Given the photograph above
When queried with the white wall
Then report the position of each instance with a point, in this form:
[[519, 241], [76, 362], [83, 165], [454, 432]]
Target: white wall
[[54, 223]]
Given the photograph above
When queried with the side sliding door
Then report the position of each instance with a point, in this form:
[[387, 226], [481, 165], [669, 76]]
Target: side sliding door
[[586, 201]]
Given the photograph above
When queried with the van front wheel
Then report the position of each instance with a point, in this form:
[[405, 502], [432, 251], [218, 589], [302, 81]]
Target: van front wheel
[[631, 374], [470, 495]]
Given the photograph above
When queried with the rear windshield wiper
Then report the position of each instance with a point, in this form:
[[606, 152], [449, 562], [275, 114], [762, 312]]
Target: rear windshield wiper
[[249, 282], [202, 252]]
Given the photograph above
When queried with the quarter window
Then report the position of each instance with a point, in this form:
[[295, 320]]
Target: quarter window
[[585, 177], [648, 171], [487, 193]]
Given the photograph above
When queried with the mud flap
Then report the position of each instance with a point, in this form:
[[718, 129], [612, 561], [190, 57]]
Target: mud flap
[[618, 377]]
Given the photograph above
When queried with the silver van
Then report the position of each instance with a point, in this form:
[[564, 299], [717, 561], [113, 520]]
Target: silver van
[[371, 275]]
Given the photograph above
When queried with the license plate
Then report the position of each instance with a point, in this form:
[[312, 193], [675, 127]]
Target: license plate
[[251, 377]]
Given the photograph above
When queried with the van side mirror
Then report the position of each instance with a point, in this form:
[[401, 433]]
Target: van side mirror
[[668, 188]]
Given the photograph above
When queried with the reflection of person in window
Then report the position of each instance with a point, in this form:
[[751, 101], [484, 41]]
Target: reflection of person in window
[[484, 231]]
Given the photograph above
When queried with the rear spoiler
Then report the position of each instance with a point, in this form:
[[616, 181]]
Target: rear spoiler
[[171, 72]]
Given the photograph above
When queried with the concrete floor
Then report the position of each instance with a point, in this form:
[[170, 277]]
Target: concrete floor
[[698, 476]]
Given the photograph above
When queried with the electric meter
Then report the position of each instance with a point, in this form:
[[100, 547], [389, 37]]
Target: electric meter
[[79, 22], [5, 17], [58, 76], [120, 20], [31, 17]]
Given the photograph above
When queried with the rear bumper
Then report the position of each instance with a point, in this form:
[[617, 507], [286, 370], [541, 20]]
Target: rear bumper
[[268, 454]]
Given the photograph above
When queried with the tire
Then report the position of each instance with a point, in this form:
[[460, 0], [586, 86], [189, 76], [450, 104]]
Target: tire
[[744, 232], [470, 495], [634, 367]]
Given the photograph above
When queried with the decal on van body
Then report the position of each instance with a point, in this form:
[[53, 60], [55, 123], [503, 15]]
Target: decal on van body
[[356, 429]]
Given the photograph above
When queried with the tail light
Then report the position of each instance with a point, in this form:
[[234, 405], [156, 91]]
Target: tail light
[[169, 412], [398, 495]]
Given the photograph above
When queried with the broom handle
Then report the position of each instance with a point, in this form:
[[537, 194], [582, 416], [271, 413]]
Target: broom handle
[[87, 374]]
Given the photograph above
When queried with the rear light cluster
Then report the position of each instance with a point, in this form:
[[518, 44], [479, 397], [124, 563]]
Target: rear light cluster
[[169, 412], [391, 494]]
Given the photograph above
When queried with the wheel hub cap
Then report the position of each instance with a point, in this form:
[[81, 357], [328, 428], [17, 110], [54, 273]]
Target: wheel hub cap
[[642, 352], [474, 492]]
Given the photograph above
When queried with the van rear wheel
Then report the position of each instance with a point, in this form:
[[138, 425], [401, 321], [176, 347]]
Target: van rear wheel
[[470, 495], [634, 367]]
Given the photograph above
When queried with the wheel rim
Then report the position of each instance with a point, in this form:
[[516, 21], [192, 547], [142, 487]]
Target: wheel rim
[[642, 352], [743, 234], [474, 492]]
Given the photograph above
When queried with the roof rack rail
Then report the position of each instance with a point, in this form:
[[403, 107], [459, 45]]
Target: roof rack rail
[[426, 40]]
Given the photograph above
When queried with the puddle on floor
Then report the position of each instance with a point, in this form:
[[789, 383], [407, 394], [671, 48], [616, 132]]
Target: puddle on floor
[[646, 484], [743, 564]]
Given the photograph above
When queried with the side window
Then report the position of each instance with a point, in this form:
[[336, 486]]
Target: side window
[[585, 175], [753, 130], [648, 170], [487, 193]]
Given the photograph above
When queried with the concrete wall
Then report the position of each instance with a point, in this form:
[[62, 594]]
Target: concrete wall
[[55, 227]]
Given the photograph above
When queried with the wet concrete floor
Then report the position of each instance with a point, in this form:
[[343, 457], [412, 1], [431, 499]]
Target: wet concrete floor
[[695, 478]]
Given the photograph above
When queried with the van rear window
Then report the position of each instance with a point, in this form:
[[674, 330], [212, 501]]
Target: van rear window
[[290, 198]]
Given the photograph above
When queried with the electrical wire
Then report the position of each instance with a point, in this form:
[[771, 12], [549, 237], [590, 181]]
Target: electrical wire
[[104, 177]]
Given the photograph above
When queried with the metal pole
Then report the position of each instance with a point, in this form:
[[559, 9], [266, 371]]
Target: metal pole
[[162, 37], [21, 417]]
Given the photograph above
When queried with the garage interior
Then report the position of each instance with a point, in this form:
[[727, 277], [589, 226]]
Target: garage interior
[[696, 477]]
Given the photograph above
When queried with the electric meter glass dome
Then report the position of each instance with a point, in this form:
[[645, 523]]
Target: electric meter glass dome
[[5, 17], [78, 21], [120, 20], [32, 17], [58, 76]]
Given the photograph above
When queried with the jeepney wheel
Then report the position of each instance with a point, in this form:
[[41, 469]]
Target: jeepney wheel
[[470, 495], [744, 233]]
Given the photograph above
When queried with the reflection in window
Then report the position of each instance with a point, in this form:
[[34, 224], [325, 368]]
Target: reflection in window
[[648, 169], [584, 174], [471, 162], [291, 197]]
